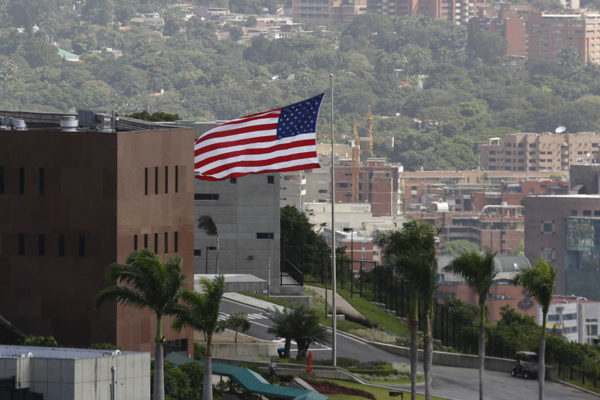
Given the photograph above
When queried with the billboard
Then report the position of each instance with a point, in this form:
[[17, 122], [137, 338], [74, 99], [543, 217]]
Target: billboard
[[580, 234]]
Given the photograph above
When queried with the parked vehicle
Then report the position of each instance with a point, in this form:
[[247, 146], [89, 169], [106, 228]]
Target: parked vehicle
[[526, 365]]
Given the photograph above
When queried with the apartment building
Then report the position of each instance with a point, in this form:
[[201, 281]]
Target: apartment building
[[549, 33], [327, 11], [75, 201], [455, 11], [512, 25], [533, 152]]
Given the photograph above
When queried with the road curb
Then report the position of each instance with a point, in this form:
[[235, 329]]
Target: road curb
[[578, 387]]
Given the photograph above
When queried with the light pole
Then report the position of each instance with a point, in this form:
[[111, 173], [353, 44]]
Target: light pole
[[207, 249]]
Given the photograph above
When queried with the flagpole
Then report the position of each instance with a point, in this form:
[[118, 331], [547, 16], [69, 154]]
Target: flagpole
[[333, 279]]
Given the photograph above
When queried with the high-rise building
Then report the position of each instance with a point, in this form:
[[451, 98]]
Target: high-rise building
[[327, 11], [548, 34], [455, 11], [72, 203]]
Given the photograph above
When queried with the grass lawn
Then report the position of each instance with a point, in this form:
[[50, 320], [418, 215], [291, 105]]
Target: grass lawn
[[379, 393], [374, 313]]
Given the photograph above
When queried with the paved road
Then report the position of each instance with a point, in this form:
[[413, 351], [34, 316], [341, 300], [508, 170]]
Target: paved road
[[448, 382]]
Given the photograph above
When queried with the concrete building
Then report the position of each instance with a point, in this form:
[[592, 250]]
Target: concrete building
[[510, 23], [565, 231], [549, 33], [327, 11], [75, 374], [533, 152], [246, 211], [75, 202], [574, 318], [454, 11]]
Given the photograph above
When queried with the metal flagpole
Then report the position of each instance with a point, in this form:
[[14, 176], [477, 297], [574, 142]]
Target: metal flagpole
[[333, 278]]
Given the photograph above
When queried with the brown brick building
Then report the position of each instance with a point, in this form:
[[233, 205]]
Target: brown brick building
[[71, 203], [454, 11]]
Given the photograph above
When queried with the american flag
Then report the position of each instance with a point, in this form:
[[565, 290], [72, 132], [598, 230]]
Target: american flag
[[283, 139]]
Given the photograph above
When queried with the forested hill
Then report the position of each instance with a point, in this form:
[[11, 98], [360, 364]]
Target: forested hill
[[453, 79]]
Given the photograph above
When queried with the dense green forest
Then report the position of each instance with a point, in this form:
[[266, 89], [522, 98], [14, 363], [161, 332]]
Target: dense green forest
[[438, 88]]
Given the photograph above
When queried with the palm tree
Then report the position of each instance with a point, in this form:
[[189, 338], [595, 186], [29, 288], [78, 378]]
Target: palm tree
[[208, 225], [539, 282], [301, 324], [146, 282], [479, 272], [411, 251], [201, 312], [239, 322]]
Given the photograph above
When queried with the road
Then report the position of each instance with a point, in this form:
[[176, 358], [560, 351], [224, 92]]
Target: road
[[448, 382]]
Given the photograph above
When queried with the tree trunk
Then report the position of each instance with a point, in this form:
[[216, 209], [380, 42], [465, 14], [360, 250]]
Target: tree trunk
[[207, 382], [413, 322], [428, 353], [159, 362], [287, 347], [541, 359], [481, 349]]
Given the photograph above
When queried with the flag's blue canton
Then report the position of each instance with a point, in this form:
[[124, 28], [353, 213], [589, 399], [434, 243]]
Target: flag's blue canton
[[299, 118]]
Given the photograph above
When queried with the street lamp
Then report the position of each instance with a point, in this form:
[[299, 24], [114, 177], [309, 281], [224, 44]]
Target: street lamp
[[351, 230], [207, 249]]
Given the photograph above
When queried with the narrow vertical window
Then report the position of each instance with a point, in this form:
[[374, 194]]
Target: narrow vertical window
[[41, 245], [156, 243], [81, 245], [166, 242], [175, 242], [135, 243], [146, 181], [21, 180], [155, 180], [61, 245], [1, 180], [42, 181], [176, 178], [166, 179], [145, 240], [21, 244], [270, 179]]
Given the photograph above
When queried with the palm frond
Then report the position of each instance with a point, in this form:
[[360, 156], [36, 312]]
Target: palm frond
[[207, 224]]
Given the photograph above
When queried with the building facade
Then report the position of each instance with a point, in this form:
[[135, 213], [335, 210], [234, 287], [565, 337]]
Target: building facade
[[565, 231], [573, 317], [533, 152], [327, 11], [75, 202], [548, 34]]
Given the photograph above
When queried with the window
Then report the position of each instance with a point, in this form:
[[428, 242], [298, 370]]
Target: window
[[232, 180], [175, 242], [197, 252], [81, 245], [21, 241], [270, 179], [265, 235], [1, 180], [155, 180], [146, 181], [145, 240], [322, 190], [206, 196], [177, 179], [135, 242], [547, 227], [587, 213], [343, 184], [156, 243], [21, 180], [42, 182], [41, 245], [61, 245], [591, 330], [547, 254], [573, 213], [166, 179], [166, 242]]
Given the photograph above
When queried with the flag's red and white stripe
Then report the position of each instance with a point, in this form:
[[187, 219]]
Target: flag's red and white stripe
[[249, 145]]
